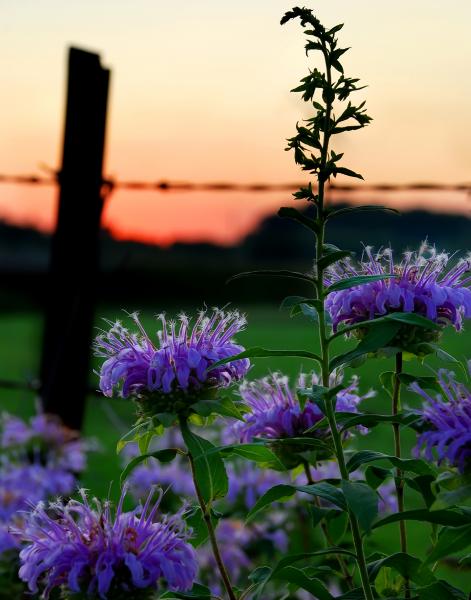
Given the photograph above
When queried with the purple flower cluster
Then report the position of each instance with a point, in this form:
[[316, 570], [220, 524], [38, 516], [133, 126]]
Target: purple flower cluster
[[86, 548], [422, 284], [276, 411], [447, 422], [177, 363]]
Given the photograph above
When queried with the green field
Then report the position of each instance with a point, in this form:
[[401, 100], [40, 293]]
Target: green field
[[107, 419]]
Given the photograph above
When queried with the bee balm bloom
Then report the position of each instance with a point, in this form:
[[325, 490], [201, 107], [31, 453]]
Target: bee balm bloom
[[84, 549], [170, 374], [422, 284], [447, 422], [276, 412]]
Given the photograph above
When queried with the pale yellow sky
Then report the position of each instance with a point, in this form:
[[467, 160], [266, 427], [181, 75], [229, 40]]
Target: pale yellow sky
[[200, 90]]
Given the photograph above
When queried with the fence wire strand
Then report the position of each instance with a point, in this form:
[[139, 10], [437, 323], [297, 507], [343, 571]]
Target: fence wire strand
[[163, 185]]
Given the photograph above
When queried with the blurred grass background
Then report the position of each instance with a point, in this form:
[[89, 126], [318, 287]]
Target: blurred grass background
[[106, 420]]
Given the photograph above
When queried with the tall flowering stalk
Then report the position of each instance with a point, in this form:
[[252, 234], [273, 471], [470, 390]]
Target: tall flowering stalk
[[316, 135]]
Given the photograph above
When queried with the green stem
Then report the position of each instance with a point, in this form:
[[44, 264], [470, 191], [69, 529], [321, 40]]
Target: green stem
[[211, 533], [324, 343], [399, 480], [325, 530]]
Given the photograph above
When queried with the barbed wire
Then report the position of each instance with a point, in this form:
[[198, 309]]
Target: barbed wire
[[223, 186]]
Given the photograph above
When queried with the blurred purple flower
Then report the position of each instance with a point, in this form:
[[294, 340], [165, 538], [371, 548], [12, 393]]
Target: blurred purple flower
[[330, 470], [8, 541], [178, 362], [423, 284], [44, 440], [447, 422], [175, 475], [237, 543], [276, 411], [87, 549], [247, 482], [21, 485]]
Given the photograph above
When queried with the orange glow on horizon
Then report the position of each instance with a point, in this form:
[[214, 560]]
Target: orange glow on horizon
[[223, 218], [201, 93]]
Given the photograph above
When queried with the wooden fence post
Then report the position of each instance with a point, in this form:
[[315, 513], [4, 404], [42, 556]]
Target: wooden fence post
[[74, 264]]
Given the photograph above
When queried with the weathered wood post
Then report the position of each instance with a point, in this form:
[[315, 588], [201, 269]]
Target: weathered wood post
[[74, 264]]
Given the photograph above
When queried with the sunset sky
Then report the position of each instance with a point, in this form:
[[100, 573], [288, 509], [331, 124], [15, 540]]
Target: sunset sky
[[200, 92]]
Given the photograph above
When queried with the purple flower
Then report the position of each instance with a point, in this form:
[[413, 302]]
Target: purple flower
[[277, 413], [447, 422], [423, 284], [85, 548], [174, 370]]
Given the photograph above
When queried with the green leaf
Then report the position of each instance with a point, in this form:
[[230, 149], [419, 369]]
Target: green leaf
[[293, 558], [274, 273], [224, 407], [423, 485], [441, 590], [198, 592], [375, 339], [362, 501], [210, 472], [163, 456], [167, 419], [331, 258], [263, 575], [355, 594], [133, 435], [278, 493], [258, 352], [311, 443], [453, 518], [296, 215], [386, 379], [454, 490], [347, 172], [413, 319], [426, 382], [194, 519], [450, 540], [299, 578], [375, 476], [254, 452], [284, 491], [351, 209], [292, 301], [350, 282], [445, 356], [418, 466], [405, 564], [349, 420], [307, 310]]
